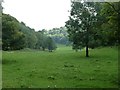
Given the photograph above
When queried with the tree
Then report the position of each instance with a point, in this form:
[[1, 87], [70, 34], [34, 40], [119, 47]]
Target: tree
[[12, 38], [30, 35], [59, 35], [110, 26], [81, 25], [50, 44], [0, 26], [41, 42], [17, 36]]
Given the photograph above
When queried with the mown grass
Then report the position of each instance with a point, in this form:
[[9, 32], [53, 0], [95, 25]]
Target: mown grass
[[63, 68]]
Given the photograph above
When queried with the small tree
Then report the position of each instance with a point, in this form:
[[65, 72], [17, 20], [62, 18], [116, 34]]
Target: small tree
[[51, 45]]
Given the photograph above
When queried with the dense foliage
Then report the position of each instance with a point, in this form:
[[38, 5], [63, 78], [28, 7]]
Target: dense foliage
[[12, 38], [93, 24], [111, 14], [59, 35], [17, 36], [0, 26]]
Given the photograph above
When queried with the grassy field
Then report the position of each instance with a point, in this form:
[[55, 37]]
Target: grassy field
[[63, 68]]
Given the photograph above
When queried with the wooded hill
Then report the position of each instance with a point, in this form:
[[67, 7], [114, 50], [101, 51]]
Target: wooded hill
[[16, 35]]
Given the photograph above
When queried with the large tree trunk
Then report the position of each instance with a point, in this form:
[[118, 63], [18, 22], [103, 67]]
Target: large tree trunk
[[87, 52]]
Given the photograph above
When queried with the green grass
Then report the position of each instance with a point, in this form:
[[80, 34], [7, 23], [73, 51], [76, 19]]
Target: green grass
[[63, 68]]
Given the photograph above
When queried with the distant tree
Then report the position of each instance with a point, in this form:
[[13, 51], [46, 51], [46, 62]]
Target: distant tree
[[41, 42], [23, 23], [59, 35], [30, 35], [51, 45]]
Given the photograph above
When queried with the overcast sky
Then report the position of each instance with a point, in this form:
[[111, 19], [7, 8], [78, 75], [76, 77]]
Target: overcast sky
[[39, 14]]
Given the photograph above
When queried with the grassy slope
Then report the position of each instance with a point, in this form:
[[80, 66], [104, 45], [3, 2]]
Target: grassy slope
[[62, 68]]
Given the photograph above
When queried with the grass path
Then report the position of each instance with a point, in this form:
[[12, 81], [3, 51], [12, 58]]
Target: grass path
[[63, 68]]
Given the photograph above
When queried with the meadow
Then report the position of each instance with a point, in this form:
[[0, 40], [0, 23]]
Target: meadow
[[63, 68]]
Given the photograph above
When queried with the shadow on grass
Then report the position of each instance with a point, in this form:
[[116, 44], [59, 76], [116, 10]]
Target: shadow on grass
[[6, 61]]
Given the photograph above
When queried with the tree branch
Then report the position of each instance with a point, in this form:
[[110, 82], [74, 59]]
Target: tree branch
[[117, 11]]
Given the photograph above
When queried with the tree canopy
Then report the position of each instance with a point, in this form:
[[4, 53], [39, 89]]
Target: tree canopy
[[12, 38], [93, 24], [16, 35]]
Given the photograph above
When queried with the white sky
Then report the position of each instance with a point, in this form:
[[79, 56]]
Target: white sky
[[39, 14]]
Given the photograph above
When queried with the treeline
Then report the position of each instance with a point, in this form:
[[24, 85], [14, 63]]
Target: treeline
[[59, 35], [16, 35]]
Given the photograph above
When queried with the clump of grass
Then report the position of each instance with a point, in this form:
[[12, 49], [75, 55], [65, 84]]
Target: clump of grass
[[51, 77], [8, 61]]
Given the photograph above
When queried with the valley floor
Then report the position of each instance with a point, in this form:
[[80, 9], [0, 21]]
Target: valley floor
[[63, 68]]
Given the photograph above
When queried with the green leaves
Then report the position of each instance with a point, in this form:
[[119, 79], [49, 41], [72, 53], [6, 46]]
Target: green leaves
[[30, 36], [17, 36], [12, 38], [110, 12], [93, 24], [81, 23]]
